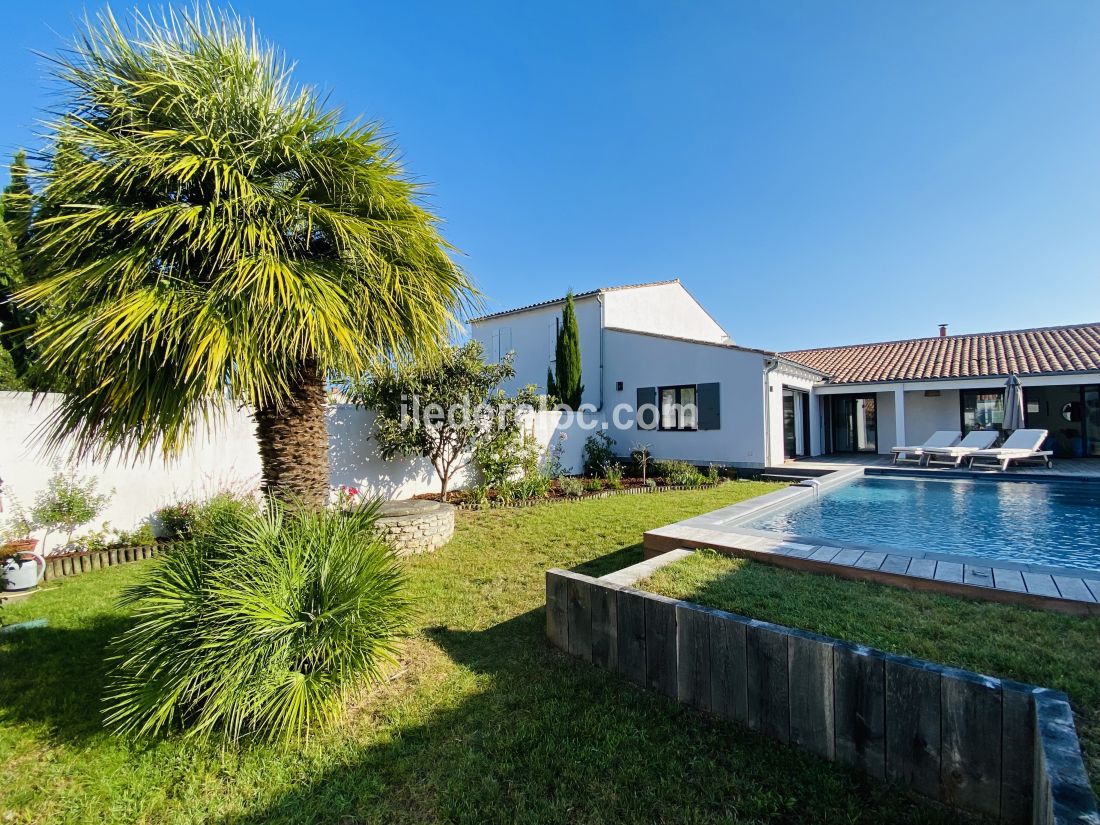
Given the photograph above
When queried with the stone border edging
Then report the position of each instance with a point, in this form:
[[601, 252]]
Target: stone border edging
[[1001, 748]]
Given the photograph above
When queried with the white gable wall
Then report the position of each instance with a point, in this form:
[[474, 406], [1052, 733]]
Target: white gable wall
[[648, 361], [663, 309], [530, 334]]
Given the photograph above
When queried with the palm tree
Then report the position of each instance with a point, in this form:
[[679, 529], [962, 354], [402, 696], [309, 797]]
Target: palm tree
[[209, 231]]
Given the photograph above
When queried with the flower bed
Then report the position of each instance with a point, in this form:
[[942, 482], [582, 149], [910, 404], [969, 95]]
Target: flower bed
[[466, 500]]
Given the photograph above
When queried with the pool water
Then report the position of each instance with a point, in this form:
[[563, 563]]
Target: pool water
[[1037, 523]]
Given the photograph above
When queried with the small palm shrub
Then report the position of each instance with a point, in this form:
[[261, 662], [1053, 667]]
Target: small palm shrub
[[615, 477], [263, 626]]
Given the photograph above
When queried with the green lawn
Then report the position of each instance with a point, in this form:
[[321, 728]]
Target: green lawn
[[1033, 646], [481, 723]]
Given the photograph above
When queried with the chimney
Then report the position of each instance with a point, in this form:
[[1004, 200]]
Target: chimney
[[943, 330]]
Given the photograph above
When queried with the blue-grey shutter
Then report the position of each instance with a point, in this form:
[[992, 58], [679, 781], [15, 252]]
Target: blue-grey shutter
[[707, 399], [646, 395]]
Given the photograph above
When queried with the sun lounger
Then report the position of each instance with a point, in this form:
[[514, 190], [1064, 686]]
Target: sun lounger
[[1021, 447], [954, 456], [940, 438]]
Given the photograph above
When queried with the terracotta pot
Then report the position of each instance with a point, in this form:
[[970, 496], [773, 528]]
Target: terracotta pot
[[19, 546]]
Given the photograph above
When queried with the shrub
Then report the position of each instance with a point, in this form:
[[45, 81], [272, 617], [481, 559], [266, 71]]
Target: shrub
[[221, 512], [712, 474], [261, 627], [678, 473], [479, 496], [176, 520], [140, 537], [598, 453], [504, 459], [570, 487], [615, 477], [532, 485], [593, 485]]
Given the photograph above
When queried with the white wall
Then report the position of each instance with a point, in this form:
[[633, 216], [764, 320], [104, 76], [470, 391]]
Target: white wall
[[354, 458], [227, 458], [778, 379], [532, 334], [663, 309], [923, 416], [648, 361]]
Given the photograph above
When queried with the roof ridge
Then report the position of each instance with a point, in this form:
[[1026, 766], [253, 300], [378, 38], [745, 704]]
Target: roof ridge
[[947, 337], [586, 294]]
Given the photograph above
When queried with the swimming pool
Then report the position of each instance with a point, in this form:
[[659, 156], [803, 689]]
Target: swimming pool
[[1046, 523]]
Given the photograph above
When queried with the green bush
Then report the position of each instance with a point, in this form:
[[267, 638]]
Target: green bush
[[221, 511], [532, 485], [598, 453], [615, 477], [140, 537], [177, 521], [504, 458], [262, 626], [570, 487], [678, 473], [593, 485]]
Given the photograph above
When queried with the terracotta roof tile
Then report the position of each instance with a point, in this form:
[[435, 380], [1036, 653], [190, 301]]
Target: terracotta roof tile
[[986, 354]]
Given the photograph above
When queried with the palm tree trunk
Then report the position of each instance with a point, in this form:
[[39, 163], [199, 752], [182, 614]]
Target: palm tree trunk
[[293, 441]]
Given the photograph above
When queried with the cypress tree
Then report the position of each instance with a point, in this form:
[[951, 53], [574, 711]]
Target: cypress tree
[[551, 384], [568, 355], [18, 200]]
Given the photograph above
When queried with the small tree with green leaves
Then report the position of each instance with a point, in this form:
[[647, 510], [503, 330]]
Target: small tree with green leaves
[[442, 408], [68, 502], [566, 384]]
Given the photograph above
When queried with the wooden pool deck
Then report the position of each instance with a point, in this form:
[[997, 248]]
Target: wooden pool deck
[[1050, 588]]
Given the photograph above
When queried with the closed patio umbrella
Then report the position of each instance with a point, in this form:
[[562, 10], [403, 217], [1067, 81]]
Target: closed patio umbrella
[[1014, 405]]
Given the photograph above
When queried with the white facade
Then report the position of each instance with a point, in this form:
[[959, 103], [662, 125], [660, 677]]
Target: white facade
[[639, 360], [771, 407], [664, 308]]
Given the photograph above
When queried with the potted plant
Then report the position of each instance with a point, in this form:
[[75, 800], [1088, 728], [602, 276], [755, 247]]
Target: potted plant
[[20, 567]]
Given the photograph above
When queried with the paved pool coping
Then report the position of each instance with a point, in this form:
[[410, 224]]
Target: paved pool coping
[[1061, 589]]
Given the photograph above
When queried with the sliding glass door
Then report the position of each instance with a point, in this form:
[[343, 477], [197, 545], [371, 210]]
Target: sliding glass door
[[853, 424]]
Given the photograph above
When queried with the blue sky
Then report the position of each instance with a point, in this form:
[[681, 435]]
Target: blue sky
[[815, 173]]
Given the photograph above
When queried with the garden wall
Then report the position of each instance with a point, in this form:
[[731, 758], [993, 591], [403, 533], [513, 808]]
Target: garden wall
[[1000, 748], [225, 457]]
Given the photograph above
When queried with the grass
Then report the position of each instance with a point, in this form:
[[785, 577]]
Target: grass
[[1034, 646], [482, 722]]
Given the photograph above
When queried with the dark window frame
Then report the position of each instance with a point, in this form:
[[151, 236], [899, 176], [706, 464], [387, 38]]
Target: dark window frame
[[678, 403]]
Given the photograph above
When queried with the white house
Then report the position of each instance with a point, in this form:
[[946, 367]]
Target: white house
[[655, 344]]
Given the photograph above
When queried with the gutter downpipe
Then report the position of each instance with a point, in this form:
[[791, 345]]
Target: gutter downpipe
[[599, 299], [770, 366]]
